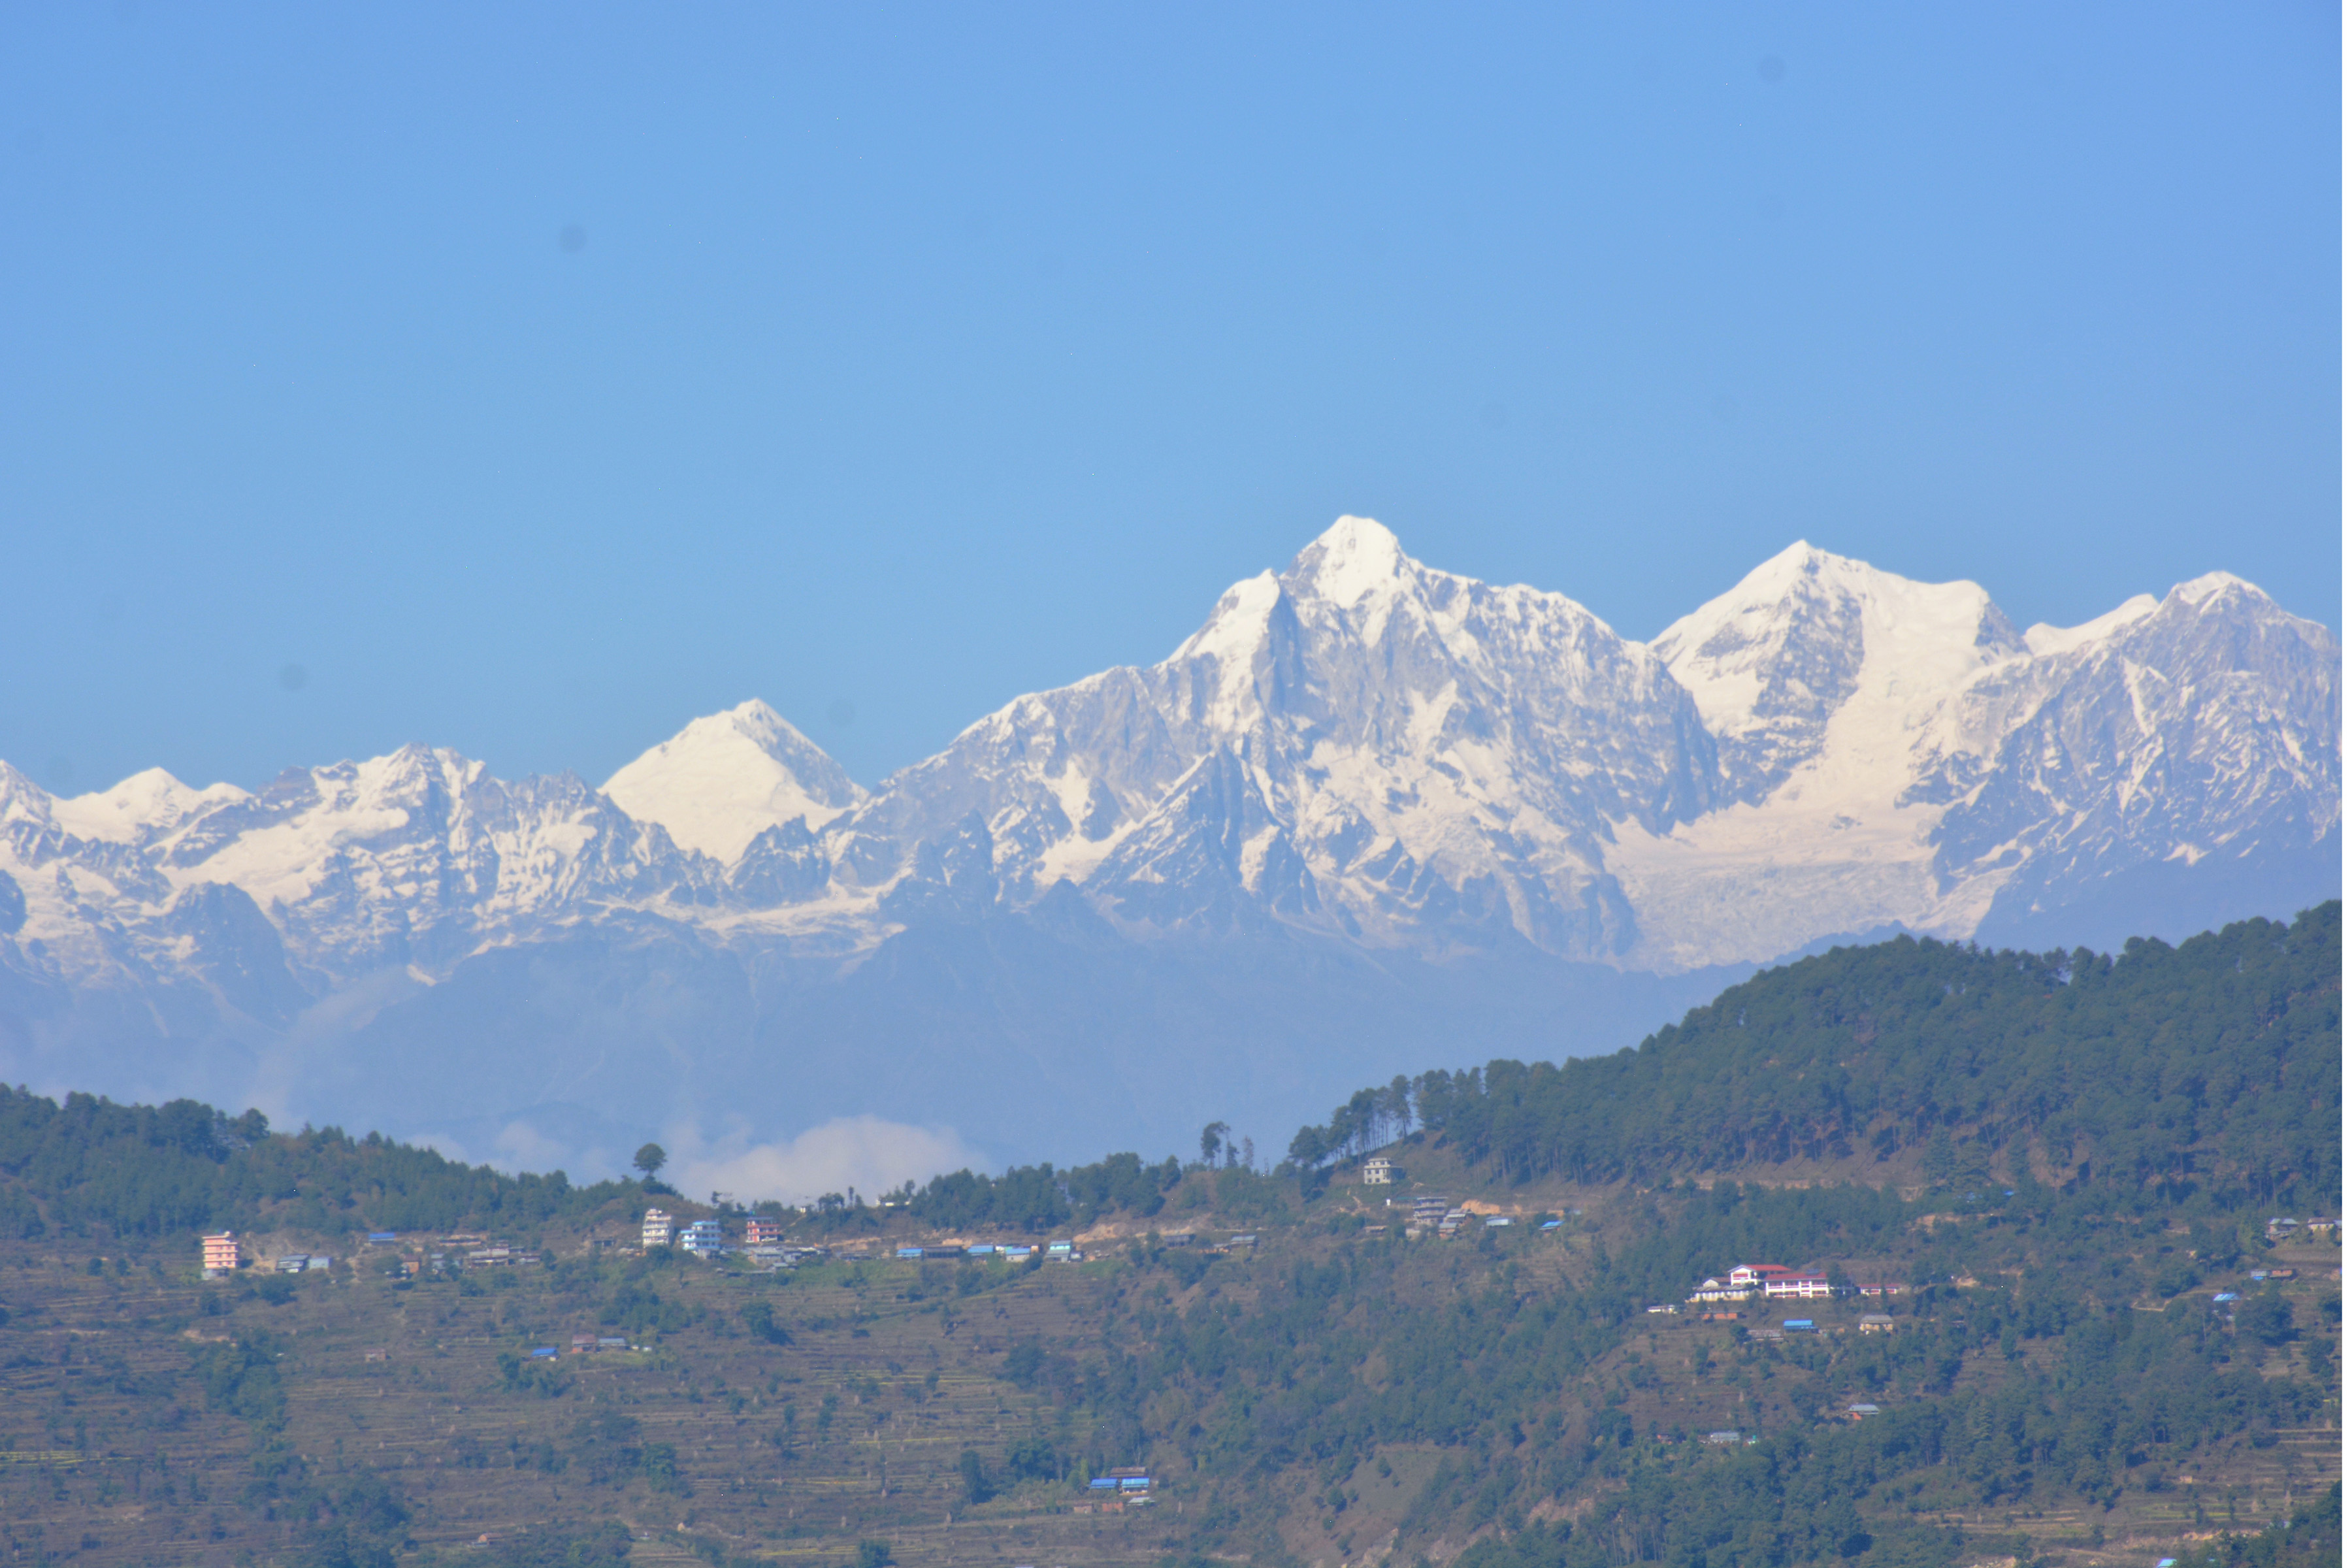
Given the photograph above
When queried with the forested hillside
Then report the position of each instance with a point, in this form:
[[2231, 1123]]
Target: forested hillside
[[90, 1166], [2216, 1063], [2094, 1349]]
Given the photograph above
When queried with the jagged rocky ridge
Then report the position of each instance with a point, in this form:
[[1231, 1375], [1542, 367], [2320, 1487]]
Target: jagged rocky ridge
[[1359, 758]]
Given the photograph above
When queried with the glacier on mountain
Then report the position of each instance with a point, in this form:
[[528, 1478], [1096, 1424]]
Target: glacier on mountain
[[1367, 807]]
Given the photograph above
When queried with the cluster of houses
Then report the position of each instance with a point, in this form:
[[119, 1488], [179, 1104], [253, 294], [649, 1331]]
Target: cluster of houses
[[224, 1255], [1859, 1411], [1446, 1218], [1121, 1489], [458, 1252], [1011, 1252], [2226, 1301], [1441, 1217], [2318, 1228], [1870, 1324], [1772, 1281], [762, 1241], [460, 1249]]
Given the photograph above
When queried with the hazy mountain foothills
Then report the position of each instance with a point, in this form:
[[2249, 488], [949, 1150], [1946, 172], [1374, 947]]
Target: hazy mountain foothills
[[2100, 1339], [1369, 814]]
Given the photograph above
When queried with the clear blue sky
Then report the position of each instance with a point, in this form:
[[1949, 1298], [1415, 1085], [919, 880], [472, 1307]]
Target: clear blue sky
[[539, 377]]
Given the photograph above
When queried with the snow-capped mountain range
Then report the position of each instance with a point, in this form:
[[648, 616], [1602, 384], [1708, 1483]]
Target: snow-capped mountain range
[[1359, 753]]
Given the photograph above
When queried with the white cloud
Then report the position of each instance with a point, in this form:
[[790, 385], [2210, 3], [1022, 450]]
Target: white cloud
[[521, 1147], [861, 1152]]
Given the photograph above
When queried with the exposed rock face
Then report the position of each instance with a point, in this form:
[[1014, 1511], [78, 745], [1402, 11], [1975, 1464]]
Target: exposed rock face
[[1406, 767]]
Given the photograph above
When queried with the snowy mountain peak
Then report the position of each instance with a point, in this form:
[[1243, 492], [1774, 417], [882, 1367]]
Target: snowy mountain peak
[[2214, 585], [1237, 624], [1805, 582], [1352, 560], [1775, 573], [725, 779], [1231, 639], [141, 808], [22, 800], [761, 722], [1773, 661]]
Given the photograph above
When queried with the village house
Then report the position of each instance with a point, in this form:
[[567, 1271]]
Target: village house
[[1714, 1289], [1379, 1172], [761, 1230], [657, 1228], [498, 1255], [222, 1255], [1876, 1324]]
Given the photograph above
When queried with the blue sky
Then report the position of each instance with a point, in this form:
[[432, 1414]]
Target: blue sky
[[535, 378]]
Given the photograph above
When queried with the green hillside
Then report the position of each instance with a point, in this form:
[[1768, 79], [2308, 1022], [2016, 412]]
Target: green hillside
[[2061, 1159], [2214, 1066]]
